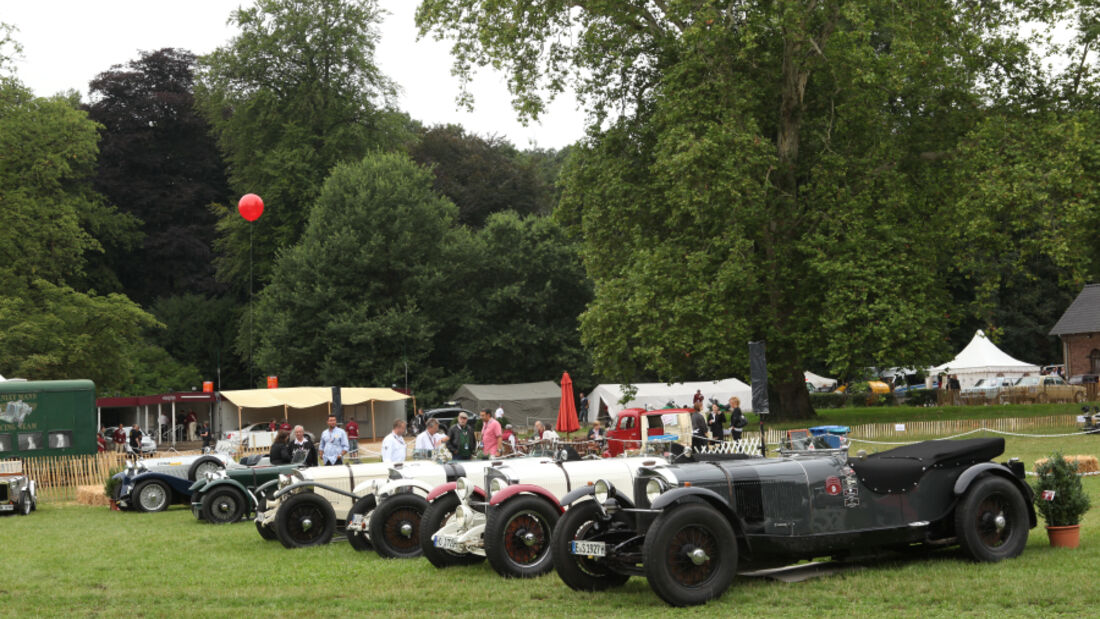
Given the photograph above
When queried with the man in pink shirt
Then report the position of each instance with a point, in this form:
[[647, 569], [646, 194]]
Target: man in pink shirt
[[490, 433]]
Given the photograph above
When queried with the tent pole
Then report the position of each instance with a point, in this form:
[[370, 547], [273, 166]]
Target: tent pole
[[373, 432], [239, 420], [286, 414]]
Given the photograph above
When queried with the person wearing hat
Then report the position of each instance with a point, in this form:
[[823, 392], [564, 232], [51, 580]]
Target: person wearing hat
[[461, 440], [509, 438]]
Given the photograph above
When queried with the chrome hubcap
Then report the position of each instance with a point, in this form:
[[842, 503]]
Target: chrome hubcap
[[306, 524], [1000, 522], [406, 529], [529, 538], [697, 556]]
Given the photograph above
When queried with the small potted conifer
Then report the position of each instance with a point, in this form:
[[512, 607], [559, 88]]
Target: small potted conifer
[[1061, 500]]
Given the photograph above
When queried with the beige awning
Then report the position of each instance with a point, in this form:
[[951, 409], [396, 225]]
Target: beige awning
[[306, 397]]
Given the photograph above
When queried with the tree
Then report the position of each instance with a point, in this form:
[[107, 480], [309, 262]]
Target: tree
[[364, 293], [214, 354], [159, 163], [291, 96], [481, 176], [765, 171]]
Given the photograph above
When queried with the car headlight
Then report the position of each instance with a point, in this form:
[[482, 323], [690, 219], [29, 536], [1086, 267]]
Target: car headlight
[[602, 491], [653, 489], [463, 516], [463, 488], [497, 484], [284, 480]]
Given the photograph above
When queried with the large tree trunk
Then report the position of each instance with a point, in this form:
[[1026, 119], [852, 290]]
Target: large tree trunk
[[794, 399]]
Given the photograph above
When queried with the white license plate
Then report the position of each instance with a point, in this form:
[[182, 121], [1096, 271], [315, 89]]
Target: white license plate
[[446, 542], [590, 549], [7, 508]]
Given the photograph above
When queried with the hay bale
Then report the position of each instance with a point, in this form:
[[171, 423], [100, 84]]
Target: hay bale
[[1085, 464], [91, 495]]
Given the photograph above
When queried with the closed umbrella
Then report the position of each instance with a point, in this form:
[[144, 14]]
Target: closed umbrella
[[567, 409]]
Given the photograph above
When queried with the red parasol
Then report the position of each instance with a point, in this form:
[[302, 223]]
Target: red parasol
[[567, 410]]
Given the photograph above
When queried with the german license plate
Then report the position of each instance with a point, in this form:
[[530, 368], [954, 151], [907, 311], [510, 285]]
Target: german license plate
[[446, 542], [7, 508], [590, 549]]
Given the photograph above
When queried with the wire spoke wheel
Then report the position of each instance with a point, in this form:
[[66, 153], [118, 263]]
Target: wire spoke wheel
[[402, 529], [526, 537]]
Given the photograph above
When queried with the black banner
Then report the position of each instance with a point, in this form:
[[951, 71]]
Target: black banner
[[337, 405], [758, 368]]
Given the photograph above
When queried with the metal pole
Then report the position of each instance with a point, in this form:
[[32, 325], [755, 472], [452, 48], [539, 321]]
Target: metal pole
[[172, 429], [373, 433]]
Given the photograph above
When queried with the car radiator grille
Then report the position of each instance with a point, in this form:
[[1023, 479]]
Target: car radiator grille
[[750, 502], [4, 492]]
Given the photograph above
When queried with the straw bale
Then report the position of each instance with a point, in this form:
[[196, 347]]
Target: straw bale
[[1085, 464]]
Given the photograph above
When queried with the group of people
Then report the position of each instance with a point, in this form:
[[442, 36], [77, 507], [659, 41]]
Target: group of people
[[711, 426], [294, 445]]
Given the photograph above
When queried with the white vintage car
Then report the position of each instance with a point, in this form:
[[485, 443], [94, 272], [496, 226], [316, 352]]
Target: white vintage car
[[511, 520], [17, 490]]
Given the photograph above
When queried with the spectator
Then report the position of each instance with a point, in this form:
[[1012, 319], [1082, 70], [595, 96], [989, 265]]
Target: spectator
[[542, 433], [192, 422], [596, 433], [418, 420], [334, 442], [135, 438], [300, 443], [119, 438], [461, 439], [163, 421], [352, 428], [490, 434], [499, 414], [698, 428], [273, 426], [427, 442], [285, 426], [393, 446], [954, 382], [716, 419], [697, 400], [737, 418], [509, 438], [101, 443], [280, 448], [206, 436], [582, 412]]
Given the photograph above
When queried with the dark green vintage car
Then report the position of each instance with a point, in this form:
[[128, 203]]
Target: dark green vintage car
[[229, 495]]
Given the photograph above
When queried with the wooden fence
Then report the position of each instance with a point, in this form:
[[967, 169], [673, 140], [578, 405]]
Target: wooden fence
[[920, 430]]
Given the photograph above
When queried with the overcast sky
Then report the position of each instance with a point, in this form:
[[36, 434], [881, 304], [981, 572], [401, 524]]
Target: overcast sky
[[66, 43]]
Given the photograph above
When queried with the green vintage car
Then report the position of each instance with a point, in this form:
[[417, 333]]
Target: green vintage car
[[229, 495]]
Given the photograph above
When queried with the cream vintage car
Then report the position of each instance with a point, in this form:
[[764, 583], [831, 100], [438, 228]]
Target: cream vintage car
[[510, 518], [1042, 389]]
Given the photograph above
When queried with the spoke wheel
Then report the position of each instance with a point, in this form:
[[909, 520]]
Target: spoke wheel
[[582, 521], [437, 516], [517, 536], [690, 555], [224, 505], [992, 522], [395, 526], [152, 496], [305, 520]]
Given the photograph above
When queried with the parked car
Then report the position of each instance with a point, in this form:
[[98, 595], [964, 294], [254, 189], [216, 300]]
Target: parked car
[[631, 424], [17, 490], [987, 389], [1042, 389], [1083, 379], [151, 485], [446, 416], [695, 525], [229, 494], [511, 521]]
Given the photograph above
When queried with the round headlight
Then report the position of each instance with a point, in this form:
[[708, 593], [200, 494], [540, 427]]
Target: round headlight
[[602, 490], [463, 488], [284, 480], [463, 516], [497, 484], [653, 489]]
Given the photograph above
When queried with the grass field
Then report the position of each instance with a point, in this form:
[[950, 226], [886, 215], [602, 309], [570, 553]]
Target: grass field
[[74, 560], [903, 414]]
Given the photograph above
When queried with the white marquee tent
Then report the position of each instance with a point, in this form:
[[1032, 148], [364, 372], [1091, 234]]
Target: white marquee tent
[[982, 359], [657, 395], [819, 382]]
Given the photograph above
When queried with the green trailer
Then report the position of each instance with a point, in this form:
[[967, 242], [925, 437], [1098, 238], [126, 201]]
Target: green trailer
[[47, 418]]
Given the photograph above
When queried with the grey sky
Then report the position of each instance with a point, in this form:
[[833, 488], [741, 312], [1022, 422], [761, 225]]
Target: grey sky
[[68, 42]]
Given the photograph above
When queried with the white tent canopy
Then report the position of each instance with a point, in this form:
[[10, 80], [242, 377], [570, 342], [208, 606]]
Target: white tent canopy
[[657, 395], [982, 359], [819, 382]]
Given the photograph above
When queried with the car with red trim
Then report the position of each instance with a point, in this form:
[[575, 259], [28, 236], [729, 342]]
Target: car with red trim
[[688, 528], [510, 518], [633, 428]]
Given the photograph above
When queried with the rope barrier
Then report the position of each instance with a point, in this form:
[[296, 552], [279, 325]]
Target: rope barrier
[[982, 429]]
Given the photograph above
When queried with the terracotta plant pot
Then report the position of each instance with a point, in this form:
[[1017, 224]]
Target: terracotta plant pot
[[1065, 537]]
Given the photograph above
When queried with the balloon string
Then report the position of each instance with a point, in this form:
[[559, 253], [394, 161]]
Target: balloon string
[[251, 367]]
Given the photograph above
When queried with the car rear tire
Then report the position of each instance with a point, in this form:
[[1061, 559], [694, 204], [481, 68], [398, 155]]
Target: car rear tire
[[1042, 398], [395, 526], [305, 519], [517, 536], [991, 521], [435, 518], [581, 522], [265, 531], [675, 571], [25, 504], [151, 496], [224, 505], [359, 540], [202, 466], [1079, 397]]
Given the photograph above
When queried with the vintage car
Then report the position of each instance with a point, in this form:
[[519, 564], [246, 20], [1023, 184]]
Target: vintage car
[[633, 427], [512, 519], [228, 495], [693, 526], [986, 389], [17, 491], [151, 485], [1042, 389]]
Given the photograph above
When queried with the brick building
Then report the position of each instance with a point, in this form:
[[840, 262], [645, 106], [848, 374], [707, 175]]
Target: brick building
[[1079, 329]]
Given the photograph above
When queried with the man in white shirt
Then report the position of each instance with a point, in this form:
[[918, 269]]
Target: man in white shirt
[[542, 433], [393, 446], [427, 441], [499, 414]]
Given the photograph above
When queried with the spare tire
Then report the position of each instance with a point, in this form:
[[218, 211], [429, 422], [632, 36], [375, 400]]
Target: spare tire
[[202, 465]]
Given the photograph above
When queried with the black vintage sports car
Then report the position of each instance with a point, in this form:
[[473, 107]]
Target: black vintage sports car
[[692, 526]]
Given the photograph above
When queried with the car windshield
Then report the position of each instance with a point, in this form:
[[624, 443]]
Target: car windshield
[[1028, 381]]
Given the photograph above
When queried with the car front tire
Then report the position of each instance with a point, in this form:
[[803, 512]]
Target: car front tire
[[517, 536], [151, 496], [580, 522], [395, 526], [359, 540], [224, 505], [690, 555], [437, 515], [991, 521], [305, 520]]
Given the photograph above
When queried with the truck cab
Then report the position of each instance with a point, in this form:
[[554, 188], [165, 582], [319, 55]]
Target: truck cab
[[632, 424]]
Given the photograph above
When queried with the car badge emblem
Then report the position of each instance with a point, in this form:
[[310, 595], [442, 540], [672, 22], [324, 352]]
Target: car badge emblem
[[832, 486]]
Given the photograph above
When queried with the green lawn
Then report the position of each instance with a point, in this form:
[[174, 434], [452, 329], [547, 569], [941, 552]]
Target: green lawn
[[73, 560]]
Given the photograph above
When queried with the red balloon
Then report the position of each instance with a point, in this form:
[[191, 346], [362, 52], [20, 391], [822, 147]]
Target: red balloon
[[250, 206]]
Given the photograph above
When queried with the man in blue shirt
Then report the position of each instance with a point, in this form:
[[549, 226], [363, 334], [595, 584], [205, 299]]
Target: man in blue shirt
[[334, 443]]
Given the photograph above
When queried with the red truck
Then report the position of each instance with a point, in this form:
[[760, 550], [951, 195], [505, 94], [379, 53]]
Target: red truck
[[669, 424]]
